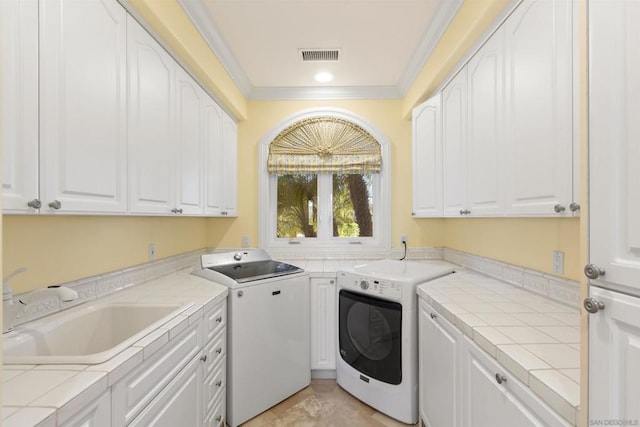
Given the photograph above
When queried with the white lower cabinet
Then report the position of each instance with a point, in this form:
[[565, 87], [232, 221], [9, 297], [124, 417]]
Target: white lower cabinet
[[492, 397], [183, 384], [439, 368], [460, 385], [323, 323], [179, 403], [96, 414]]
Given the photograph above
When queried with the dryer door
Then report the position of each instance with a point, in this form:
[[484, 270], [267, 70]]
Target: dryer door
[[370, 336]]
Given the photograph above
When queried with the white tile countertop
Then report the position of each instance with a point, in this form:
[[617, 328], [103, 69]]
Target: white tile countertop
[[47, 395], [533, 337]]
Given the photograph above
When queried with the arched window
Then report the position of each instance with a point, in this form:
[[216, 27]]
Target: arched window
[[324, 183]]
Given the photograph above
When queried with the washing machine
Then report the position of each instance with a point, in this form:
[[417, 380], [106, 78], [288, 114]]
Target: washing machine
[[378, 333]]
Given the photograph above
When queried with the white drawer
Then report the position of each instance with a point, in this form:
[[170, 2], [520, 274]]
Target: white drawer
[[134, 392], [215, 320], [214, 387], [214, 352], [216, 418]]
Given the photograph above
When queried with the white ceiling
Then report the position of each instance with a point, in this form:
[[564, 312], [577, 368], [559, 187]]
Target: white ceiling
[[383, 43]]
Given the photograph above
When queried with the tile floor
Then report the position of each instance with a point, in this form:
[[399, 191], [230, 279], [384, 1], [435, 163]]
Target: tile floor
[[324, 404]]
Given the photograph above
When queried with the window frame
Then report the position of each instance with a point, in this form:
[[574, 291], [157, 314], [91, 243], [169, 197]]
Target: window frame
[[267, 222]]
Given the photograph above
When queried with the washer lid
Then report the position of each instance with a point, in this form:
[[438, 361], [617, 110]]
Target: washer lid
[[250, 271], [403, 271]]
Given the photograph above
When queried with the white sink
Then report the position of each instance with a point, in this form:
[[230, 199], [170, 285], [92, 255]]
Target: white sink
[[86, 335]]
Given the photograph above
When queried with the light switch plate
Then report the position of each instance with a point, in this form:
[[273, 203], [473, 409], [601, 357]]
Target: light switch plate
[[558, 262]]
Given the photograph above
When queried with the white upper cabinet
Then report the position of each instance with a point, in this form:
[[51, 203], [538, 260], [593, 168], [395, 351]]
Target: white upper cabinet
[[212, 133], [19, 73], [190, 145], [427, 159], [614, 143], [229, 166], [485, 124], [151, 124], [83, 56], [539, 164], [454, 140]]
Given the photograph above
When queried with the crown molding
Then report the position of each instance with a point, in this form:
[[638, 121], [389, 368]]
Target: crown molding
[[324, 93]]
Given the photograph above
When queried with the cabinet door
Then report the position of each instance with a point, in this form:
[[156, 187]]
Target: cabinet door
[[229, 166], [212, 131], [486, 403], [614, 357], [323, 323], [538, 38], [179, 404], [439, 367], [19, 74], [427, 159], [151, 124], [614, 149], [83, 110], [485, 142], [190, 145], [454, 140]]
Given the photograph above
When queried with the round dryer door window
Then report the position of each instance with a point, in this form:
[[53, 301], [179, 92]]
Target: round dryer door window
[[370, 336]]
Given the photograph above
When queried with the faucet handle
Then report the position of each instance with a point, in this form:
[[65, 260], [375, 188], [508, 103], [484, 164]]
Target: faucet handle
[[7, 292]]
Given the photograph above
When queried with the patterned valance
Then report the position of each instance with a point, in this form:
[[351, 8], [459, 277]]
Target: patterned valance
[[324, 144]]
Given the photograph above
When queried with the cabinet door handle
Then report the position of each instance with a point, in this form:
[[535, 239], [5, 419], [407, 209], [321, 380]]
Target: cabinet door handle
[[501, 378], [55, 204], [592, 305], [219, 418], [219, 384], [35, 204], [176, 210], [559, 208], [593, 271], [203, 358], [219, 350], [433, 315], [574, 207], [219, 319]]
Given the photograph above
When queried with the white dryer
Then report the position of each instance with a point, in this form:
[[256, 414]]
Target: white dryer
[[378, 333]]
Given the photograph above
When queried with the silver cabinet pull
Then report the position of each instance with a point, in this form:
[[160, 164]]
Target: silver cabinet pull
[[55, 204], [35, 204], [219, 383], [219, 319], [219, 418], [501, 378], [462, 212], [203, 357], [573, 207], [559, 208], [219, 350], [592, 305], [176, 210], [433, 315], [592, 271]]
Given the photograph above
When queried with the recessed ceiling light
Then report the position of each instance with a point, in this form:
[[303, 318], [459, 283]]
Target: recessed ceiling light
[[324, 77]]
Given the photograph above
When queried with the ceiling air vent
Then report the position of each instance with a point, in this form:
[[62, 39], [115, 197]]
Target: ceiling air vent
[[319, 54]]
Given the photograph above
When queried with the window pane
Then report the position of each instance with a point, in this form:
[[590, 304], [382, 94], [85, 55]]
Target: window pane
[[352, 205], [297, 206]]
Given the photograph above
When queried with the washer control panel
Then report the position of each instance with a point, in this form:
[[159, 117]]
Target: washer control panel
[[370, 286]]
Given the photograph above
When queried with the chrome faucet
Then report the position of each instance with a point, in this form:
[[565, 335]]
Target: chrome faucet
[[11, 309]]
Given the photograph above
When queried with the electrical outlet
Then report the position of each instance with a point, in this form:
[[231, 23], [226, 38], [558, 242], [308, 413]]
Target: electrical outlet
[[152, 251], [245, 241], [403, 239], [558, 262]]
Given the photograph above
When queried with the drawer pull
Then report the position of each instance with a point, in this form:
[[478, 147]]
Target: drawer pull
[[219, 418], [219, 384], [433, 315], [219, 350], [203, 358], [219, 319], [501, 379]]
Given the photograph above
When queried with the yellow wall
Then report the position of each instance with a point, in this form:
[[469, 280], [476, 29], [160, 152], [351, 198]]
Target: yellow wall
[[57, 249], [385, 115], [527, 242]]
